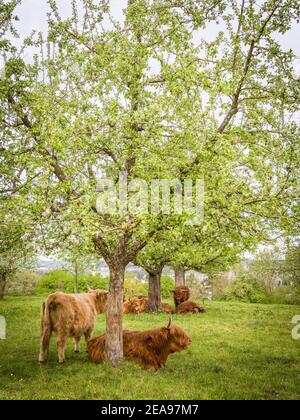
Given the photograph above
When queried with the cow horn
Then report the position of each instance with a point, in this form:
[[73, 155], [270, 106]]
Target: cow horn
[[170, 322], [89, 288]]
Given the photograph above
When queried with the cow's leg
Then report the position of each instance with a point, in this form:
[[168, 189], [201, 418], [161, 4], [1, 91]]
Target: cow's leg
[[45, 334], [61, 345], [44, 344], [87, 336], [77, 344]]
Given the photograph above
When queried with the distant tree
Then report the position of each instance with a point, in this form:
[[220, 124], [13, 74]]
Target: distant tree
[[23, 283], [16, 251], [266, 269], [79, 260], [290, 267]]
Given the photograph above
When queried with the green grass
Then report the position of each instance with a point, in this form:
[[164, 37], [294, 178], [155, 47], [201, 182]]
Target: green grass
[[239, 351]]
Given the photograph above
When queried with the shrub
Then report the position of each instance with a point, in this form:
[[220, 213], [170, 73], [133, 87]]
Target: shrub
[[23, 283], [63, 281], [288, 295], [242, 291], [167, 285], [54, 281], [250, 291], [134, 287]]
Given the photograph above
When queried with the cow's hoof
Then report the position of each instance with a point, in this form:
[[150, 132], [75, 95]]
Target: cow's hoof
[[61, 362], [42, 362], [77, 351]]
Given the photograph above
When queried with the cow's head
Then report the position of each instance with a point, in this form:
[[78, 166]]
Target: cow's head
[[100, 299], [177, 337]]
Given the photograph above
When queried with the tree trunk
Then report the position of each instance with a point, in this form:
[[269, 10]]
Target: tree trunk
[[114, 315], [154, 294], [2, 286], [179, 277]]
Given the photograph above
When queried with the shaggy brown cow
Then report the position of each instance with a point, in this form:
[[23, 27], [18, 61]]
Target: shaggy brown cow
[[150, 349], [135, 305], [69, 315], [139, 305], [181, 294], [189, 306]]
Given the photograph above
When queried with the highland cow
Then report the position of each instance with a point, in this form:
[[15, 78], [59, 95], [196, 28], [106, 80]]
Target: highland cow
[[181, 294], [71, 315], [139, 305], [189, 306], [150, 349], [135, 305]]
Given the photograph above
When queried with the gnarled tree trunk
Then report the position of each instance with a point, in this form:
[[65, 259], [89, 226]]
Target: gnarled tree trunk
[[117, 263], [114, 315], [179, 277], [154, 293]]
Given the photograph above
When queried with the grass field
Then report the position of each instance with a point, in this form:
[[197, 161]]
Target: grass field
[[239, 351]]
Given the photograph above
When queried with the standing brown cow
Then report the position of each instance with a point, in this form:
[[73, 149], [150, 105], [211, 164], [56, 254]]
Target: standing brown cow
[[69, 316], [181, 294], [150, 349]]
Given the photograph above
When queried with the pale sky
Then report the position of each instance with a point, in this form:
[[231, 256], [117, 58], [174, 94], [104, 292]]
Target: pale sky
[[32, 15]]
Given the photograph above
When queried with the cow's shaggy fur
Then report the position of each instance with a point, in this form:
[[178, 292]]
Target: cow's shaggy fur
[[150, 349], [69, 315], [139, 305]]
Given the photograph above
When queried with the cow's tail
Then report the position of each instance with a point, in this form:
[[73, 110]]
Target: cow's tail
[[45, 315]]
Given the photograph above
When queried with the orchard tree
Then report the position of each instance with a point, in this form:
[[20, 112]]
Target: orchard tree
[[16, 246], [189, 247], [153, 258], [139, 97], [90, 107]]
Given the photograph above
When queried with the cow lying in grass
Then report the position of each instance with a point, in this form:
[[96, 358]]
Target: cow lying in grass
[[69, 316], [139, 305], [189, 306], [150, 349]]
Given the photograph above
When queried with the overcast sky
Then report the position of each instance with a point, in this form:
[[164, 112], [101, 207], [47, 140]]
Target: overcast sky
[[33, 15]]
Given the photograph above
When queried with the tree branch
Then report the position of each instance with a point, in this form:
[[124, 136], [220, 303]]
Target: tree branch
[[236, 96]]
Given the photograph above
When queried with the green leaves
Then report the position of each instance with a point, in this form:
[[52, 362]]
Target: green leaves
[[149, 96]]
